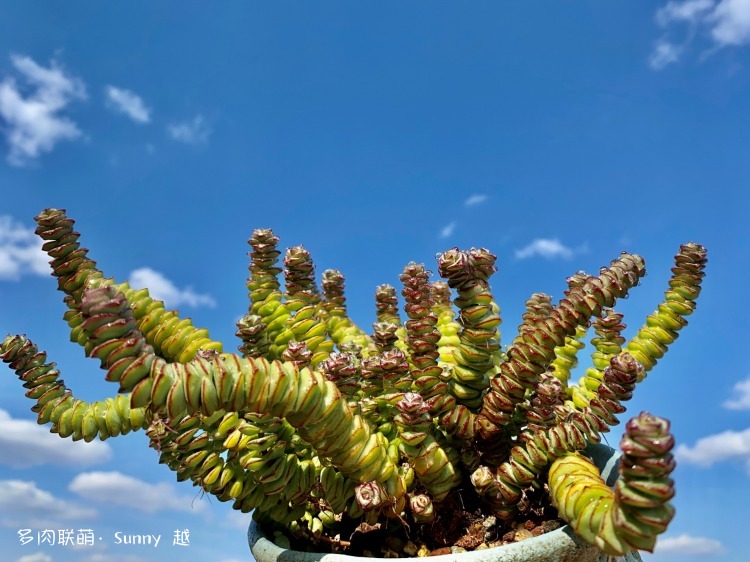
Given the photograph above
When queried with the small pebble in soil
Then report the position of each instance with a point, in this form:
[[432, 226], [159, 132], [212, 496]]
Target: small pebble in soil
[[522, 534]]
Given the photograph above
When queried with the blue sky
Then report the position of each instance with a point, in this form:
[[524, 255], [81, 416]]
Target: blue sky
[[557, 135]]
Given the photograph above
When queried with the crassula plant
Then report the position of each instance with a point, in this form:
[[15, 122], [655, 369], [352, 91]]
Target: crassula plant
[[330, 432]]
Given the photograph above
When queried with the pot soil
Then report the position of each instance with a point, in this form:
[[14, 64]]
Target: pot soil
[[536, 539]]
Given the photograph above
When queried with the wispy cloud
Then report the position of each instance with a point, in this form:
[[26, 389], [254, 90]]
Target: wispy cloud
[[447, 230], [690, 11], [20, 251], [475, 200], [30, 505], [741, 401], [161, 288], [726, 22], [25, 443], [100, 557], [685, 545], [727, 445], [127, 103], [548, 248], [34, 123], [194, 131], [115, 488], [664, 54], [36, 557]]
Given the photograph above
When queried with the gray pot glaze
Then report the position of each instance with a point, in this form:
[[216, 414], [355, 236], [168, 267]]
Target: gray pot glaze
[[561, 545]]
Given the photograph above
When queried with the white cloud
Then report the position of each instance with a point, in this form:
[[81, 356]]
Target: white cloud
[[25, 443], [127, 102], [664, 53], [730, 22], [716, 448], [545, 247], [475, 200], [115, 488], [33, 121], [25, 504], [161, 288], [36, 557], [447, 230], [726, 22], [685, 545], [742, 399], [20, 251], [195, 131]]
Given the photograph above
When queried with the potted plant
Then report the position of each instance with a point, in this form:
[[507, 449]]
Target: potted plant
[[423, 436]]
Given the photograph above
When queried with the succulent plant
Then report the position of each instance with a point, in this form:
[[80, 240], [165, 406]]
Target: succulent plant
[[316, 424]]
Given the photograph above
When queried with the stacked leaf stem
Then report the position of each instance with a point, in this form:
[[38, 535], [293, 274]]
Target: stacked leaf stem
[[630, 516], [468, 273]]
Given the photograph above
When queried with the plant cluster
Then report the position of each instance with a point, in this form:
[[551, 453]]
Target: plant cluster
[[316, 422]]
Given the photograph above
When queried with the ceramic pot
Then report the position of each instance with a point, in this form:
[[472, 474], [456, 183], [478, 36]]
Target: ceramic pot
[[561, 545]]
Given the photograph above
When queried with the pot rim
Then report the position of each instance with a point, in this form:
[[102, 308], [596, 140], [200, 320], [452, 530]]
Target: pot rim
[[559, 545], [543, 548]]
